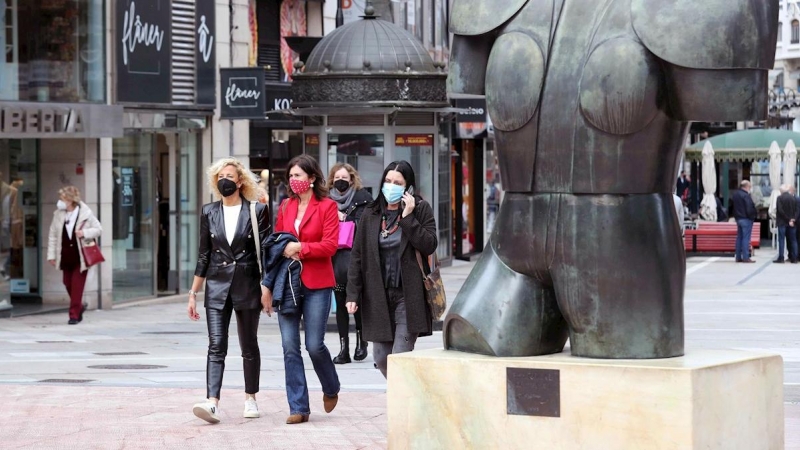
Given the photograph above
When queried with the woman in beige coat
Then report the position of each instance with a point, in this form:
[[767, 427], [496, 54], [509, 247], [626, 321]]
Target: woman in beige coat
[[73, 223]]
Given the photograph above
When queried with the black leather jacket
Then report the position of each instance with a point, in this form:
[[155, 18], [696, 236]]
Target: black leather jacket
[[231, 269]]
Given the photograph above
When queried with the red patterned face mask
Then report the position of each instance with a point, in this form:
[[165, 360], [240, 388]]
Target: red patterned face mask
[[299, 187]]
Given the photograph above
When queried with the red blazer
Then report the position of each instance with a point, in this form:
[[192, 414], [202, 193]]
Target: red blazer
[[319, 237]]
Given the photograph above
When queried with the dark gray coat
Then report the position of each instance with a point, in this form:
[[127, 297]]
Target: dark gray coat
[[365, 276]]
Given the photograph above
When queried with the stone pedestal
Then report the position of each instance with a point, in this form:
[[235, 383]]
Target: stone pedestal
[[708, 399]]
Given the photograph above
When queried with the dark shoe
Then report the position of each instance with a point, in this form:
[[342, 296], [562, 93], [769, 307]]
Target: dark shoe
[[778, 261], [361, 347], [297, 418], [344, 354], [749, 261], [329, 402], [83, 308], [794, 261], [738, 259], [73, 321]]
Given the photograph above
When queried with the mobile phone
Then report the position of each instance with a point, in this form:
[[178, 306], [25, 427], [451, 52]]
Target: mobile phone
[[410, 190]]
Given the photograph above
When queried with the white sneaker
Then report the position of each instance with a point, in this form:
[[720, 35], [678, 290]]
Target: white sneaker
[[250, 409], [207, 411]]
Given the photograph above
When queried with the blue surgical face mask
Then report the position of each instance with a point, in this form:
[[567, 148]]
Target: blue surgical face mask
[[392, 193]]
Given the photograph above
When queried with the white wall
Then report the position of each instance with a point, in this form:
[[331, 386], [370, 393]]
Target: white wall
[[231, 138]]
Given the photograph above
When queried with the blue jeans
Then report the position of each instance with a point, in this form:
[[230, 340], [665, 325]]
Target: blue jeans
[[744, 227], [787, 233], [316, 308]]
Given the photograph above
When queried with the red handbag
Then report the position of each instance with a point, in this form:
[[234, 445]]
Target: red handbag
[[91, 251]]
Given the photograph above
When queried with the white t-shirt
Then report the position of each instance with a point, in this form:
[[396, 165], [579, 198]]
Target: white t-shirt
[[231, 214]]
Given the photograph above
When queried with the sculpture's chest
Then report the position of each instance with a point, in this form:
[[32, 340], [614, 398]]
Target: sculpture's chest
[[572, 55]]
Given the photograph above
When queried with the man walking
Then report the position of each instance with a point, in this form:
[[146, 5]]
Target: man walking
[[786, 211], [744, 211]]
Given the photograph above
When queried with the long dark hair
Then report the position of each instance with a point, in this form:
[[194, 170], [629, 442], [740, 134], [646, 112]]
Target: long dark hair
[[405, 169], [310, 166]]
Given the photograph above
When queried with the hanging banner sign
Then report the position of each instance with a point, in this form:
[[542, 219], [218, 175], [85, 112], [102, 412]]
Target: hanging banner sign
[[205, 55], [143, 49], [242, 93]]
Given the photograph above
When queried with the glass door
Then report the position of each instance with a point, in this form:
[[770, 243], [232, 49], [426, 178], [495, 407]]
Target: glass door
[[189, 194], [134, 214], [362, 151]]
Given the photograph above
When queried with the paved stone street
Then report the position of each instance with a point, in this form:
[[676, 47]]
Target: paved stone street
[[62, 390]]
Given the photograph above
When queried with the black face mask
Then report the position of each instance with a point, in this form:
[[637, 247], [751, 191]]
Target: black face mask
[[341, 185], [226, 187]]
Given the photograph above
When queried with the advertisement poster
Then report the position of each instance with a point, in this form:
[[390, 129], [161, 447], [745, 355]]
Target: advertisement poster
[[293, 23]]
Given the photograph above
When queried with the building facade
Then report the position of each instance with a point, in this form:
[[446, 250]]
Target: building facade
[[119, 98]]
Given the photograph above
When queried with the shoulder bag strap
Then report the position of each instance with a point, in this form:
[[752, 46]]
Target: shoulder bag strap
[[419, 261], [256, 235]]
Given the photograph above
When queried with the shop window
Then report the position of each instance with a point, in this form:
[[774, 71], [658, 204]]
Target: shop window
[[53, 51], [20, 241], [362, 151], [795, 31]]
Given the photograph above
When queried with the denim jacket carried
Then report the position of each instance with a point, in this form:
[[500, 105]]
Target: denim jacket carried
[[282, 275]]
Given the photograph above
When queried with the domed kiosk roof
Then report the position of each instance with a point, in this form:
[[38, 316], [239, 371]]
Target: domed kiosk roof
[[369, 62]]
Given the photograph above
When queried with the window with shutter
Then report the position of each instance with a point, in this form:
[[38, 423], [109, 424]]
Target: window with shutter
[[183, 52]]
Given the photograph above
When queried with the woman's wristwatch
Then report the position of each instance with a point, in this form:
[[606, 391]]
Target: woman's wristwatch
[[193, 293]]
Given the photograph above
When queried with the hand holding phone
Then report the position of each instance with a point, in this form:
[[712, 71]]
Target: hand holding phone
[[408, 203]]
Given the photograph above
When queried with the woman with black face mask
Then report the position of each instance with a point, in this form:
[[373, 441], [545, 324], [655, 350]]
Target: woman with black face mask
[[348, 193], [233, 235]]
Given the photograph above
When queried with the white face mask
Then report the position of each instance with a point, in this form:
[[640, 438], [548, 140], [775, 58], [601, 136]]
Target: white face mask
[[61, 205]]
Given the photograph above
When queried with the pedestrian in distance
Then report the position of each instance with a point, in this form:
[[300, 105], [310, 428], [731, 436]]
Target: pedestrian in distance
[[351, 198], [72, 227], [786, 211], [233, 232], [384, 280], [744, 211], [312, 219]]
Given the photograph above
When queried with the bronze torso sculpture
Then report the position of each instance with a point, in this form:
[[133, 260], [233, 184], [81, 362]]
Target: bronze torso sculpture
[[591, 100]]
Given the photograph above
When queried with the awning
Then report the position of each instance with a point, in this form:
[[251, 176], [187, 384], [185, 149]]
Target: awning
[[361, 110], [746, 145]]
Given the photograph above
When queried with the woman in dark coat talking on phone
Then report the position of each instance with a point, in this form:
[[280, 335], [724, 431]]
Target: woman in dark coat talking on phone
[[384, 279]]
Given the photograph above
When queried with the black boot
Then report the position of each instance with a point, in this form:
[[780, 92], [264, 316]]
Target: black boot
[[344, 355], [361, 347]]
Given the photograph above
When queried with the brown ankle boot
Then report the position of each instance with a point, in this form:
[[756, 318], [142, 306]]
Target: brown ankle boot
[[297, 418], [329, 402]]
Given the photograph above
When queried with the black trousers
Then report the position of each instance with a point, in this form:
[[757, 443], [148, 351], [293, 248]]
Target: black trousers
[[247, 325], [342, 316]]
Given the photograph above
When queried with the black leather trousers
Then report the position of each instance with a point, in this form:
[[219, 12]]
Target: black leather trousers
[[247, 324]]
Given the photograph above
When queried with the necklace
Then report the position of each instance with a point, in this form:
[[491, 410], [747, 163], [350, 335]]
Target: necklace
[[386, 233]]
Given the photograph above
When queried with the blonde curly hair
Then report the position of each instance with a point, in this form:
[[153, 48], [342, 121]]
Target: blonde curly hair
[[249, 189], [71, 193]]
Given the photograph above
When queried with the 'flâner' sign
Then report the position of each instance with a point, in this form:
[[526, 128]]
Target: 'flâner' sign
[[242, 93], [143, 47]]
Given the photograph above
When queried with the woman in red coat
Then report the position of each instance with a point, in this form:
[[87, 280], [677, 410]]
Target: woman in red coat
[[313, 218]]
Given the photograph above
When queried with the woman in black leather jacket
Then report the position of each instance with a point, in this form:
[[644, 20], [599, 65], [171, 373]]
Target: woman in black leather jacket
[[228, 263], [351, 198]]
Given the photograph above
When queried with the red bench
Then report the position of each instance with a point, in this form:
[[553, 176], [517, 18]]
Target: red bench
[[718, 237]]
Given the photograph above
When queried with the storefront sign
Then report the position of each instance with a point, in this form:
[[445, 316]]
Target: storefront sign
[[312, 139], [19, 120], [279, 98], [476, 110], [413, 140], [205, 55], [143, 50], [243, 93]]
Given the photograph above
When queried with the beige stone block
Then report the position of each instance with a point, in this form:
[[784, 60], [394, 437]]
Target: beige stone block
[[708, 399]]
